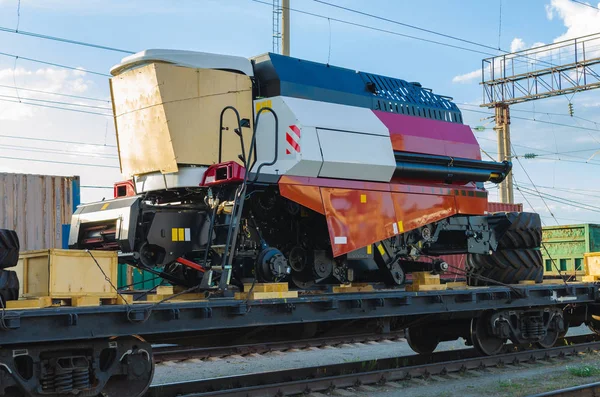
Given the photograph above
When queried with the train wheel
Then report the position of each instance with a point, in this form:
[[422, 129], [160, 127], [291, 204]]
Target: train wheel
[[140, 370], [482, 339], [549, 340], [420, 340], [594, 324]]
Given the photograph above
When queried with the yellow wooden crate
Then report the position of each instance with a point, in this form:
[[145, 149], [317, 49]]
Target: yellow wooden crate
[[66, 273], [592, 263]]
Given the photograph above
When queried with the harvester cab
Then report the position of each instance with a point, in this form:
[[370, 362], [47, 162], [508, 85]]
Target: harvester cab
[[280, 169]]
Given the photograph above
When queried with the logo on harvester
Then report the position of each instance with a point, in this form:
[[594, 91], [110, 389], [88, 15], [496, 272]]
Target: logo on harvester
[[292, 137]]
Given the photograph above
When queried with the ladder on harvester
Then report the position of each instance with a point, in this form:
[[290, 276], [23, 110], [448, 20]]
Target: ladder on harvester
[[233, 226]]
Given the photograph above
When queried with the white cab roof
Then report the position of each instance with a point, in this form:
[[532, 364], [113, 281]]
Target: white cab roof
[[192, 59]]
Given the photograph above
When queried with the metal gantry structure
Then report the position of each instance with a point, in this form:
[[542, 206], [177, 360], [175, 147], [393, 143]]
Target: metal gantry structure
[[561, 68]]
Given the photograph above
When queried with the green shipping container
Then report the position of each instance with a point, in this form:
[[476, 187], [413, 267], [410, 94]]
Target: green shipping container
[[142, 279], [566, 246]]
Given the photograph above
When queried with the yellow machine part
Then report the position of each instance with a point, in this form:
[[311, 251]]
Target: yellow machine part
[[167, 115]]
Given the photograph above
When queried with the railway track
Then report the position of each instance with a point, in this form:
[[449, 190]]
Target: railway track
[[587, 390], [371, 372], [182, 353]]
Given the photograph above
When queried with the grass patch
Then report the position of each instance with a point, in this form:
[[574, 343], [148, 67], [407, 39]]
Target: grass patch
[[584, 371], [508, 384]]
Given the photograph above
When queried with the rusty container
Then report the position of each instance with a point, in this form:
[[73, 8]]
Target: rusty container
[[38, 208]]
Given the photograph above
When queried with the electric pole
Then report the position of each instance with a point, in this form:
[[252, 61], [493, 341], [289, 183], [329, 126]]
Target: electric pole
[[502, 129], [285, 24]]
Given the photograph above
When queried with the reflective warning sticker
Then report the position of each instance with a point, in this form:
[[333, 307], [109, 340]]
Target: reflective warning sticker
[[181, 234], [340, 240], [263, 104], [363, 198], [401, 226], [380, 248], [105, 206], [369, 249], [395, 226]]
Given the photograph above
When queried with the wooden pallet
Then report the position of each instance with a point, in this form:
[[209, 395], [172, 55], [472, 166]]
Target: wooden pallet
[[590, 279], [183, 297], [347, 288], [456, 285], [426, 287], [265, 291], [40, 302]]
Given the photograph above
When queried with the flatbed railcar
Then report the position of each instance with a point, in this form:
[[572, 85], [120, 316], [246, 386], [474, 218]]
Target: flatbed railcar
[[274, 169], [111, 345]]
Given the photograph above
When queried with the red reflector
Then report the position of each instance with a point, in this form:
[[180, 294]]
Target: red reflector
[[228, 172]]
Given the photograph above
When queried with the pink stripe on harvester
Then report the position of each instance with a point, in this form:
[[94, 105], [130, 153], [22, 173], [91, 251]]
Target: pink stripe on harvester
[[422, 135]]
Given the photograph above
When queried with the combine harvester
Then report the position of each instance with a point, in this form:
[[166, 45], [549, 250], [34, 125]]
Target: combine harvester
[[249, 174], [279, 169]]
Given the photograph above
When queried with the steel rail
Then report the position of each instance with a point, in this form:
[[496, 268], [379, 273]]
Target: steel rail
[[589, 389], [181, 353], [329, 377]]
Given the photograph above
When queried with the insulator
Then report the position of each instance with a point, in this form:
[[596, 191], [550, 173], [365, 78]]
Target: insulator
[[571, 111]]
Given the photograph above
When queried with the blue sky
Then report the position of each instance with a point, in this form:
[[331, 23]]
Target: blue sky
[[243, 27]]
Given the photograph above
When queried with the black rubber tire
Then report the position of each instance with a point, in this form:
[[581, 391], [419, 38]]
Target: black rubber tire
[[505, 266], [9, 286], [524, 231], [9, 248]]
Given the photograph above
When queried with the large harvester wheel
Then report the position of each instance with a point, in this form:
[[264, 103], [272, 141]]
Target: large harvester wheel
[[9, 248], [505, 266], [523, 230], [9, 287]]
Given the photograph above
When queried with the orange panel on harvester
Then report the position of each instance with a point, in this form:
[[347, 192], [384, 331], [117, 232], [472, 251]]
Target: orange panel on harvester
[[415, 210], [308, 196], [357, 218]]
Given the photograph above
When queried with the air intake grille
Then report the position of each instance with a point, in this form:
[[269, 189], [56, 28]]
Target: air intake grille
[[399, 96]]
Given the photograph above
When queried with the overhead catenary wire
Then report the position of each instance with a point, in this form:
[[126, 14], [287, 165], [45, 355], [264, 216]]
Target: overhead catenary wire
[[445, 35], [531, 181], [466, 41], [58, 151], [56, 107], [56, 93], [342, 21], [63, 40], [56, 141], [586, 4], [537, 121], [562, 200], [58, 65], [20, 99], [59, 162]]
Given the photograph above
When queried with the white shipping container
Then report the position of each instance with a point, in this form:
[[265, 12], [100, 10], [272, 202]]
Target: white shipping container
[[37, 207]]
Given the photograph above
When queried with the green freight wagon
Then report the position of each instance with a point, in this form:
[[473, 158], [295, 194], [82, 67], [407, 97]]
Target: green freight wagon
[[565, 246]]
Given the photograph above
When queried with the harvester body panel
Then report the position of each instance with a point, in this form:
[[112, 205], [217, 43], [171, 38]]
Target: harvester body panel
[[351, 176]]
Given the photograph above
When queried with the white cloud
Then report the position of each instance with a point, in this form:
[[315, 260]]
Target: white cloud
[[50, 80], [467, 77], [579, 19], [517, 45]]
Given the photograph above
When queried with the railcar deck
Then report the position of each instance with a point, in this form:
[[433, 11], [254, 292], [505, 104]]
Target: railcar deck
[[157, 320]]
